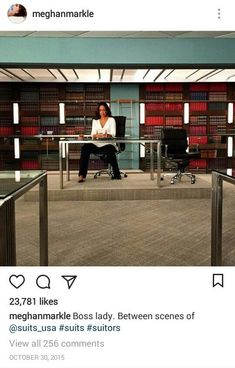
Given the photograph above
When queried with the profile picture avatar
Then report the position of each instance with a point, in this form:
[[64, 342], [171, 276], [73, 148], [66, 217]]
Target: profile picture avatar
[[17, 13]]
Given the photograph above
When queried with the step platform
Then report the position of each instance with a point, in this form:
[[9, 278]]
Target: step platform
[[137, 186]]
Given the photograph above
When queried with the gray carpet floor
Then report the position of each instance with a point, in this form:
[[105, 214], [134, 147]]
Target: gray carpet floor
[[126, 233]]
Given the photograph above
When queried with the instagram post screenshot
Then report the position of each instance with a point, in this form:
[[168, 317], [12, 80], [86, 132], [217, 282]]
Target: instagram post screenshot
[[117, 184]]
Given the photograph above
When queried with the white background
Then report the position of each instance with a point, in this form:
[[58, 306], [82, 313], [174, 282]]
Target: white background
[[204, 342], [122, 15]]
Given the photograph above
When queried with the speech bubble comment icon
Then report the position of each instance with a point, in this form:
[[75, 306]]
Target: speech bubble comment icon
[[43, 282], [17, 280]]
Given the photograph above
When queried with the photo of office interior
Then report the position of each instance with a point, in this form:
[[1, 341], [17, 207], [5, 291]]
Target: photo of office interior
[[172, 95]]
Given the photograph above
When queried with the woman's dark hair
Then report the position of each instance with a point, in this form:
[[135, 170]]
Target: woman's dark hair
[[108, 111], [22, 12]]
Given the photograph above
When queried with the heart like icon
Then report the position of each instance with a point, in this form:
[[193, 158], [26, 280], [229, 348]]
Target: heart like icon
[[17, 280]]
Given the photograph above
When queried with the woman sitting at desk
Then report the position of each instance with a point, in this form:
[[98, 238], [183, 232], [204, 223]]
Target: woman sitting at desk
[[104, 126]]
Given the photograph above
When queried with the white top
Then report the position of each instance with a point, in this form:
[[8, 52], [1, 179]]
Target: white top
[[16, 19], [108, 128]]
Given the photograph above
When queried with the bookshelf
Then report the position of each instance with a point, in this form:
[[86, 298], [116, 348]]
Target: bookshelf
[[208, 118], [39, 114], [7, 128], [80, 106]]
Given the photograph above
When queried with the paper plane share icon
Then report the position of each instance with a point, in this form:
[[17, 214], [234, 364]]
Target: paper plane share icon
[[69, 279]]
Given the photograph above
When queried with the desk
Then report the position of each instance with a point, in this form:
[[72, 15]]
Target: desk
[[64, 153], [13, 184], [216, 213]]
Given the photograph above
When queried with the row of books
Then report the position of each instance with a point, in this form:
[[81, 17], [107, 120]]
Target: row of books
[[70, 130], [203, 130], [49, 120], [39, 94], [174, 120], [50, 130], [6, 155], [198, 119], [208, 87], [36, 120], [168, 106], [217, 105], [7, 161], [5, 94], [150, 131], [154, 120], [197, 106], [193, 106], [29, 130], [159, 120], [200, 163], [212, 122], [217, 163], [46, 107], [217, 119], [173, 106], [79, 120], [213, 129], [75, 96], [6, 131], [30, 142], [75, 87], [50, 92], [169, 87], [198, 139], [208, 153], [5, 120], [6, 107], [173, 96], [81, 107], [30, 120], [175, 87], [154, 96], [38, 107], [217, 96], [204, 106], [94, 88], [198, 95], [198, 130], [29, 95], [97, 96], [76, 109], [154, 87], [50, 125], [166, 96], [152, 107], [30, 155], [30, 164], [211, 96]]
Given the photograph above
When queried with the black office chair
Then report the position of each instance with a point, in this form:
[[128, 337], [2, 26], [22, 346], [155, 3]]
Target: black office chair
[[174, 145], [120, 133]]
